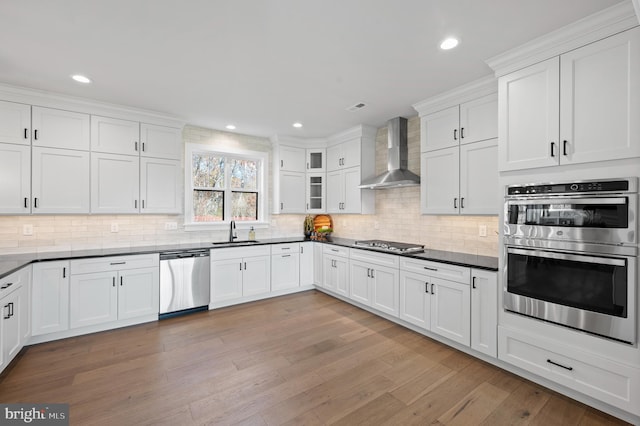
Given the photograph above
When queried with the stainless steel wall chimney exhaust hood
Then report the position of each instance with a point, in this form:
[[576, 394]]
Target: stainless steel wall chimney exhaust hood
[[397, 174]]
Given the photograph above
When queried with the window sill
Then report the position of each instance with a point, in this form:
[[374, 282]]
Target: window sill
[[221, 226]]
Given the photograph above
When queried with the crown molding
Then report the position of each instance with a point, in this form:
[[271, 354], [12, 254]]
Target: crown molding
[[297, 141], [88, 106], [359, 131], [605, 23], [467, 92]]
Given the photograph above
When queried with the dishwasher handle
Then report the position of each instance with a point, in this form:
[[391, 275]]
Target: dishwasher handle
[[183, 254]]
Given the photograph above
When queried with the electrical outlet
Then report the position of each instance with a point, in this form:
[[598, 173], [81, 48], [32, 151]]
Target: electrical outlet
[[27, 230], [115, 227], [482, 230], [171, 226], [376, 225]]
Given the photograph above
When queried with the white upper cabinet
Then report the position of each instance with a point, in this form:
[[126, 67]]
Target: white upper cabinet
[[114, 183], [15, 123], [316, 192], [580, 107], [292, 192], [316, 160], [440, 129], [160, 186], [60, 181], [15, 187], [479, 188], [344, 155], [115, 136], [292, 159], [439, 185], [55, 128], [160, 141]]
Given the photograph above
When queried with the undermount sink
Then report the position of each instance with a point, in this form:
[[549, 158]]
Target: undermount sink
[[235, 242]]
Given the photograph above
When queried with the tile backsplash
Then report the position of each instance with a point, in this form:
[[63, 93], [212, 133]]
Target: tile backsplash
[[397, 216]]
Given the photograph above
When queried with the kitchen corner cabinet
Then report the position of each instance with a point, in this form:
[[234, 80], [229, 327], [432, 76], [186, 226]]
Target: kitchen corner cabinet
[[484, 312], [579, 107], [316, 160], [55, 128], [60, 181], [335, 269], [15, 188], [316, 190], [473, 121], [374, 280], [240, 271], [436, 297], [50, 297], [307, 267], [285, 266], [15, 123], [108, 289]]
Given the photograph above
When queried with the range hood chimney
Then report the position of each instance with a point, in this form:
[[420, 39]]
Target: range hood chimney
[[397, 174]]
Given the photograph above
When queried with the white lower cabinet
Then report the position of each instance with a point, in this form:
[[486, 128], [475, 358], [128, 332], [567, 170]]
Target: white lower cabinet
[[318, 268], [50, 297], [103, 290], [433, 303], [285, 266], [240, 271], [335, 269], [14, 309], [307, 270], [484, 312], [574, 367], [374, 279]]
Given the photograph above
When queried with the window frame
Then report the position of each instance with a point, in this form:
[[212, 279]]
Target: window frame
[[261, 158]]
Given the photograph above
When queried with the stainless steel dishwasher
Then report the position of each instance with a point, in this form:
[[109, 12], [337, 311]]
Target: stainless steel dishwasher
[[184, 282]]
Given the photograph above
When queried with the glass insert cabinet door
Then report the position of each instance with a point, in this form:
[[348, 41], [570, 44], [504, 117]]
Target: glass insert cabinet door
[[316, 192], [316, 160]]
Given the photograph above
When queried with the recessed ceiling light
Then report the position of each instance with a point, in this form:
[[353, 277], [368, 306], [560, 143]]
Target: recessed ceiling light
[[81, 78], [230, 127], [297, 125], [449, 43]]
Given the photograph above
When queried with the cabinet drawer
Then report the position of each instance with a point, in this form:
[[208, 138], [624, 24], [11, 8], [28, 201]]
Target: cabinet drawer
[[11, 282], [378, 259], [285, 248], [335, 250], [240, 252], [112, 263], [573, 367], [459, 274]]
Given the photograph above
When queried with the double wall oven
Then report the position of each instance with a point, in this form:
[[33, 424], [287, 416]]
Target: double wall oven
[[571, 252]]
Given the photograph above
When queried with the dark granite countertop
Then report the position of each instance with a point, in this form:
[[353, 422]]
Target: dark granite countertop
[[12, 262]]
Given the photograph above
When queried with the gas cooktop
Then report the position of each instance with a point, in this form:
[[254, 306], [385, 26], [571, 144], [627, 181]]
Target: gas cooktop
[[390, 246]]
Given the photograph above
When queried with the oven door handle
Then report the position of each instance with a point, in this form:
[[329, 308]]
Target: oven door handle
[[566, 200], [566, 256]]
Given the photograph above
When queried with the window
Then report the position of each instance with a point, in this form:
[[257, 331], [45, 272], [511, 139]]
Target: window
[[223, 186]]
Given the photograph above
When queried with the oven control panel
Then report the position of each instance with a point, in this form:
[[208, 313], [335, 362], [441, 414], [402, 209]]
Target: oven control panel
[[569, 188]]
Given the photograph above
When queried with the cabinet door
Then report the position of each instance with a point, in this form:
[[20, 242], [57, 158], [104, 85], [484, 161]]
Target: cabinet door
[[160, 186], [114, 136], [484, 312], [450, 310], [11, 338], [352, 194], [342, 276], [360, 274], [285, 271], [60, 181], [529, 116], [292, 159], [440, 129], [316, 160], [385, 290], [54, 128], [160, 141], [138, 292], [316, 192], [50, 293], [256, 278], [351, 153], [599, 100], [114, 183], [415, 301], [439, 185], [335, 191], [329, 273], [292, 192], [334, 157], [307, 269], [15, 123], [93, 299], [479, 119], [15, 186], [479, 189], [25, 308], [226, 279], [318, 268]]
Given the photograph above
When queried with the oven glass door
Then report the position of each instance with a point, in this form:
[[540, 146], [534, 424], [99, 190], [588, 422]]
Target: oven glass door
[[587, 282], [611, 212]]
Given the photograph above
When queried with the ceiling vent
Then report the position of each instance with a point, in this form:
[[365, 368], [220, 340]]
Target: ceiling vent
[[356, 107]]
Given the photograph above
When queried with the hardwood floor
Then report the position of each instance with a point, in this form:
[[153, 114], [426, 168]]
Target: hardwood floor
[[303, 359]]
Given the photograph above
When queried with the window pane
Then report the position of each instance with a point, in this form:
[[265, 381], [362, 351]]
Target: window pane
[[208, 171], [208, 206], [244, 205], [244, 174]]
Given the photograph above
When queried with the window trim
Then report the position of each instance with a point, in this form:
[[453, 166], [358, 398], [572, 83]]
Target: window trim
[[263, 209]]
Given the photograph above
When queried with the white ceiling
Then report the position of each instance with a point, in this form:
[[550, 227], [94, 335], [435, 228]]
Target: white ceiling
[[263, 64]]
